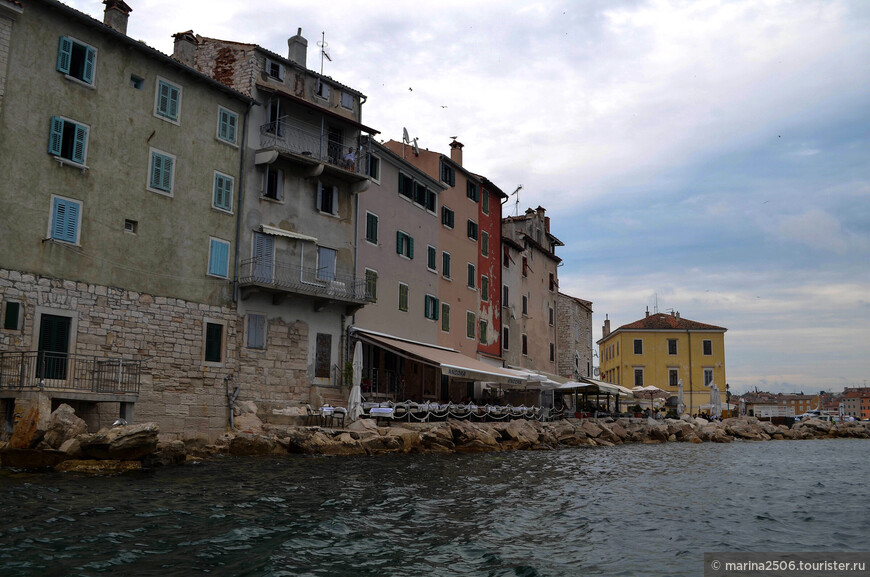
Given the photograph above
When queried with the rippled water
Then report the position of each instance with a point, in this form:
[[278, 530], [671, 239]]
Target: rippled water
[[627, 510]]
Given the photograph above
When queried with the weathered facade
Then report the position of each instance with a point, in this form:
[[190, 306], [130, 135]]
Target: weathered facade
[[573, 337], [120, 196], [305, 165]]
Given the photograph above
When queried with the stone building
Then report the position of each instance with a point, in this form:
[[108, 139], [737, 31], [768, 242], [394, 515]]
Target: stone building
[[573, 337], [120, 203]]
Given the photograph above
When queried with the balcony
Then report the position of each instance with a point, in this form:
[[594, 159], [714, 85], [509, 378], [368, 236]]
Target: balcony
[[282, 278], [68, 376], [302, 144]]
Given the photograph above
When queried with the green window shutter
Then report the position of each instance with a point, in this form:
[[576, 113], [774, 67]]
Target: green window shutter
[[166, 182], [64, 55], [90, 59], [231, 127], [163, 102], [227, 126], [435, 307], [55, 138], [410, 247], [81, 138], [173, 102], [156, 169], [399, 235], [223, 191]]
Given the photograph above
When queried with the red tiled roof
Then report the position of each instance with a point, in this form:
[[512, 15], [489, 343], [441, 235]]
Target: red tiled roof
[[665, 322]]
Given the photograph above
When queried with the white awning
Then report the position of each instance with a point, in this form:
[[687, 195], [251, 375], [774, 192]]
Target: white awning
[[285, 233]]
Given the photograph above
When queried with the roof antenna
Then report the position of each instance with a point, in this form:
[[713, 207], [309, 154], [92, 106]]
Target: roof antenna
[[517, 202], [323, 54]]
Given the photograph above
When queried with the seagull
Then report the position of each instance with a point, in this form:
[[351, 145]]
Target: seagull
[[119, 423], [411, 89]]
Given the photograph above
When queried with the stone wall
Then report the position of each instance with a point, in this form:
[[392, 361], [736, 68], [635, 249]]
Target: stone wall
[[573, 337]]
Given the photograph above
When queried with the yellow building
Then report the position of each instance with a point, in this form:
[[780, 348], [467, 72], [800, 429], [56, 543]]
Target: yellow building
[[662, 350]]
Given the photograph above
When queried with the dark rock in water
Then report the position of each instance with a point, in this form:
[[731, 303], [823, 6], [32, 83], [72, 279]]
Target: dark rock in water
[[248, 444], [170, 453], [99, 467], [31, 458], [121, 443], [63, 425]]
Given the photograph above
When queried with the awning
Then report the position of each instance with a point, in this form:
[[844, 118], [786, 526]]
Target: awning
[[609, 387], [286, 233], [451, 362]]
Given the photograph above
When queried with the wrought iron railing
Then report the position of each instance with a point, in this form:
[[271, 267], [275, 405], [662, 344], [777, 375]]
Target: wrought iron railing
[[302, 280], [35, 370], [285, 134]]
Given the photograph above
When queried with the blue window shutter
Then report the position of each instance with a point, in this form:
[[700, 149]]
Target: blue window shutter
[[163, 102], [81, 138], [223, 191], [166, 182], [90, 57], [55, 138], [218, 261], [66, 219], [173, 102], [156, 169], [223, 124], [64, 55]]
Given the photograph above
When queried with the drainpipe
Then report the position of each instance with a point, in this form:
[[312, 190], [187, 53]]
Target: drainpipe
[[240, 196], [231, 397], [689, 336]]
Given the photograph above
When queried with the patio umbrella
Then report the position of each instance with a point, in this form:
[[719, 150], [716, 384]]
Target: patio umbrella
[[715, 401], [681, 406], [354, 401], [650, 391]]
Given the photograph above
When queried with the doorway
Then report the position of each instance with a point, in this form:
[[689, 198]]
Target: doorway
[[54, 335]]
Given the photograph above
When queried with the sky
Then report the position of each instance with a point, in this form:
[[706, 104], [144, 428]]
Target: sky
[[702, 156]]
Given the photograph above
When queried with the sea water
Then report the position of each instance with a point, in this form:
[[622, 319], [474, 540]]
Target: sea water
[[624, 510]]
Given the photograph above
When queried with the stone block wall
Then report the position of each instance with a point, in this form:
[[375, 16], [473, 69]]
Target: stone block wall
[[573, 337]]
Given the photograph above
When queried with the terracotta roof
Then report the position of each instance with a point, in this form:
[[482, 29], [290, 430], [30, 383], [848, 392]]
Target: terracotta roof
[[666, 322]]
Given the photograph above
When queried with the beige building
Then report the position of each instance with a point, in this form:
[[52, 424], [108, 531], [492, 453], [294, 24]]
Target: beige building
[[573, 337]]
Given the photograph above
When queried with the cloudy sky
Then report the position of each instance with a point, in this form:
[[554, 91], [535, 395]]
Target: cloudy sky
[[701, 156]]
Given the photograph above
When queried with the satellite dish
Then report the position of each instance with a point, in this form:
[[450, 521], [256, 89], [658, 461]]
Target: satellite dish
[[405, 138], [416, 150], [596, 371]]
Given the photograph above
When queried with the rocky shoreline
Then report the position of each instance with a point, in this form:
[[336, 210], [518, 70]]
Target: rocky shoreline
[[63, 443]]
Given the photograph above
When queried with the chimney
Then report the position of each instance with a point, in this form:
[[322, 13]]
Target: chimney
[[298, 49], [605, 330], [647, 312], [678, 315], [456, 152], [185, 47], [116, 15]]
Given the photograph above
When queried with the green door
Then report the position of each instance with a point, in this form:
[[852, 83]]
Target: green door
[[53, 347]]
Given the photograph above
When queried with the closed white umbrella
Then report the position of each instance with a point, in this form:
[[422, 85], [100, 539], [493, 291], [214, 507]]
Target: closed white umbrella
[[354, 402], [681, 406]]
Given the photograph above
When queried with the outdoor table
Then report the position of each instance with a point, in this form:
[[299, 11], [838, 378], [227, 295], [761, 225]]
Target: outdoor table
[[378, 413]]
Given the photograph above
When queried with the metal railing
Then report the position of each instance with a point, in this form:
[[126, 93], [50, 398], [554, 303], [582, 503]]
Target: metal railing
[[285, 134], [41, 370], [302, 280]]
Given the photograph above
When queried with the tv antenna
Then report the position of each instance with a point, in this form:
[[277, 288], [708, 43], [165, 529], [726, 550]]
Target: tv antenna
[[323, 53], [517, 202]]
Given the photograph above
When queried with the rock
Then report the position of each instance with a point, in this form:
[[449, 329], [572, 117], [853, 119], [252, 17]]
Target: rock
[[249, 444], [126, 443], [98, 467], [31, 421], [619, 430], [659, 433], [63, 425], [31, 458], [245, 407], [591, 429], [167, 453], [72, 448], [248, 422]]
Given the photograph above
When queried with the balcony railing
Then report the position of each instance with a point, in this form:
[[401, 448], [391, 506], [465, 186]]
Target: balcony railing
[[303, 280], [29, 371], [287, 135]]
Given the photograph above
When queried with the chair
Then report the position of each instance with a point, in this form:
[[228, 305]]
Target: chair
[[310, 416], [339, 414]]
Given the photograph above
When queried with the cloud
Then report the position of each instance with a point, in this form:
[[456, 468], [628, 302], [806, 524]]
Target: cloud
[[820, 231]]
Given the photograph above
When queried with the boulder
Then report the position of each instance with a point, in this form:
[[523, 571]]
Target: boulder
[[63, 425], [31, 458], [31, 421], [72, 448], [248, 422], [245, 407], [591, 429], [167, 453], [99, 467], [125, 443], [659, 433]]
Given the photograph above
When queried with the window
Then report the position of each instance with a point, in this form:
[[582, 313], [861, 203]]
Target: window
[[223, 192], [275, 69], [638, 346], [406, 186], [445, 264], [483, 326], [228, 121], [506, 257], [525, 266], [214, 343], [327, 198], [505, 338], [404, 244], [504, 295], [431, 201], [552, 282], [470, 324], [263, 258], [472, 230], [76, 60], [403, 297], [131, 226], [708, 377], [374, 168], [322, 355], [371, 285], [552, 352], [638, 377], [347, 100], [218, 257], [256, 331], [137, 82], [525, 344], [66, 218], [472, 276], [274, 183], [68, 140], [484, 288], [708, 347], [161, 173], [525, 305], [168, 101], [12, 317], [430, 307], [672, 346], [372, 228], [471, 191], [448, 174], [485, 204], [673, 377], [447, 217], [552, 315], [484, 243], [323, 90], [445, 317], [419, 194], [325, 263], [431, 258]]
